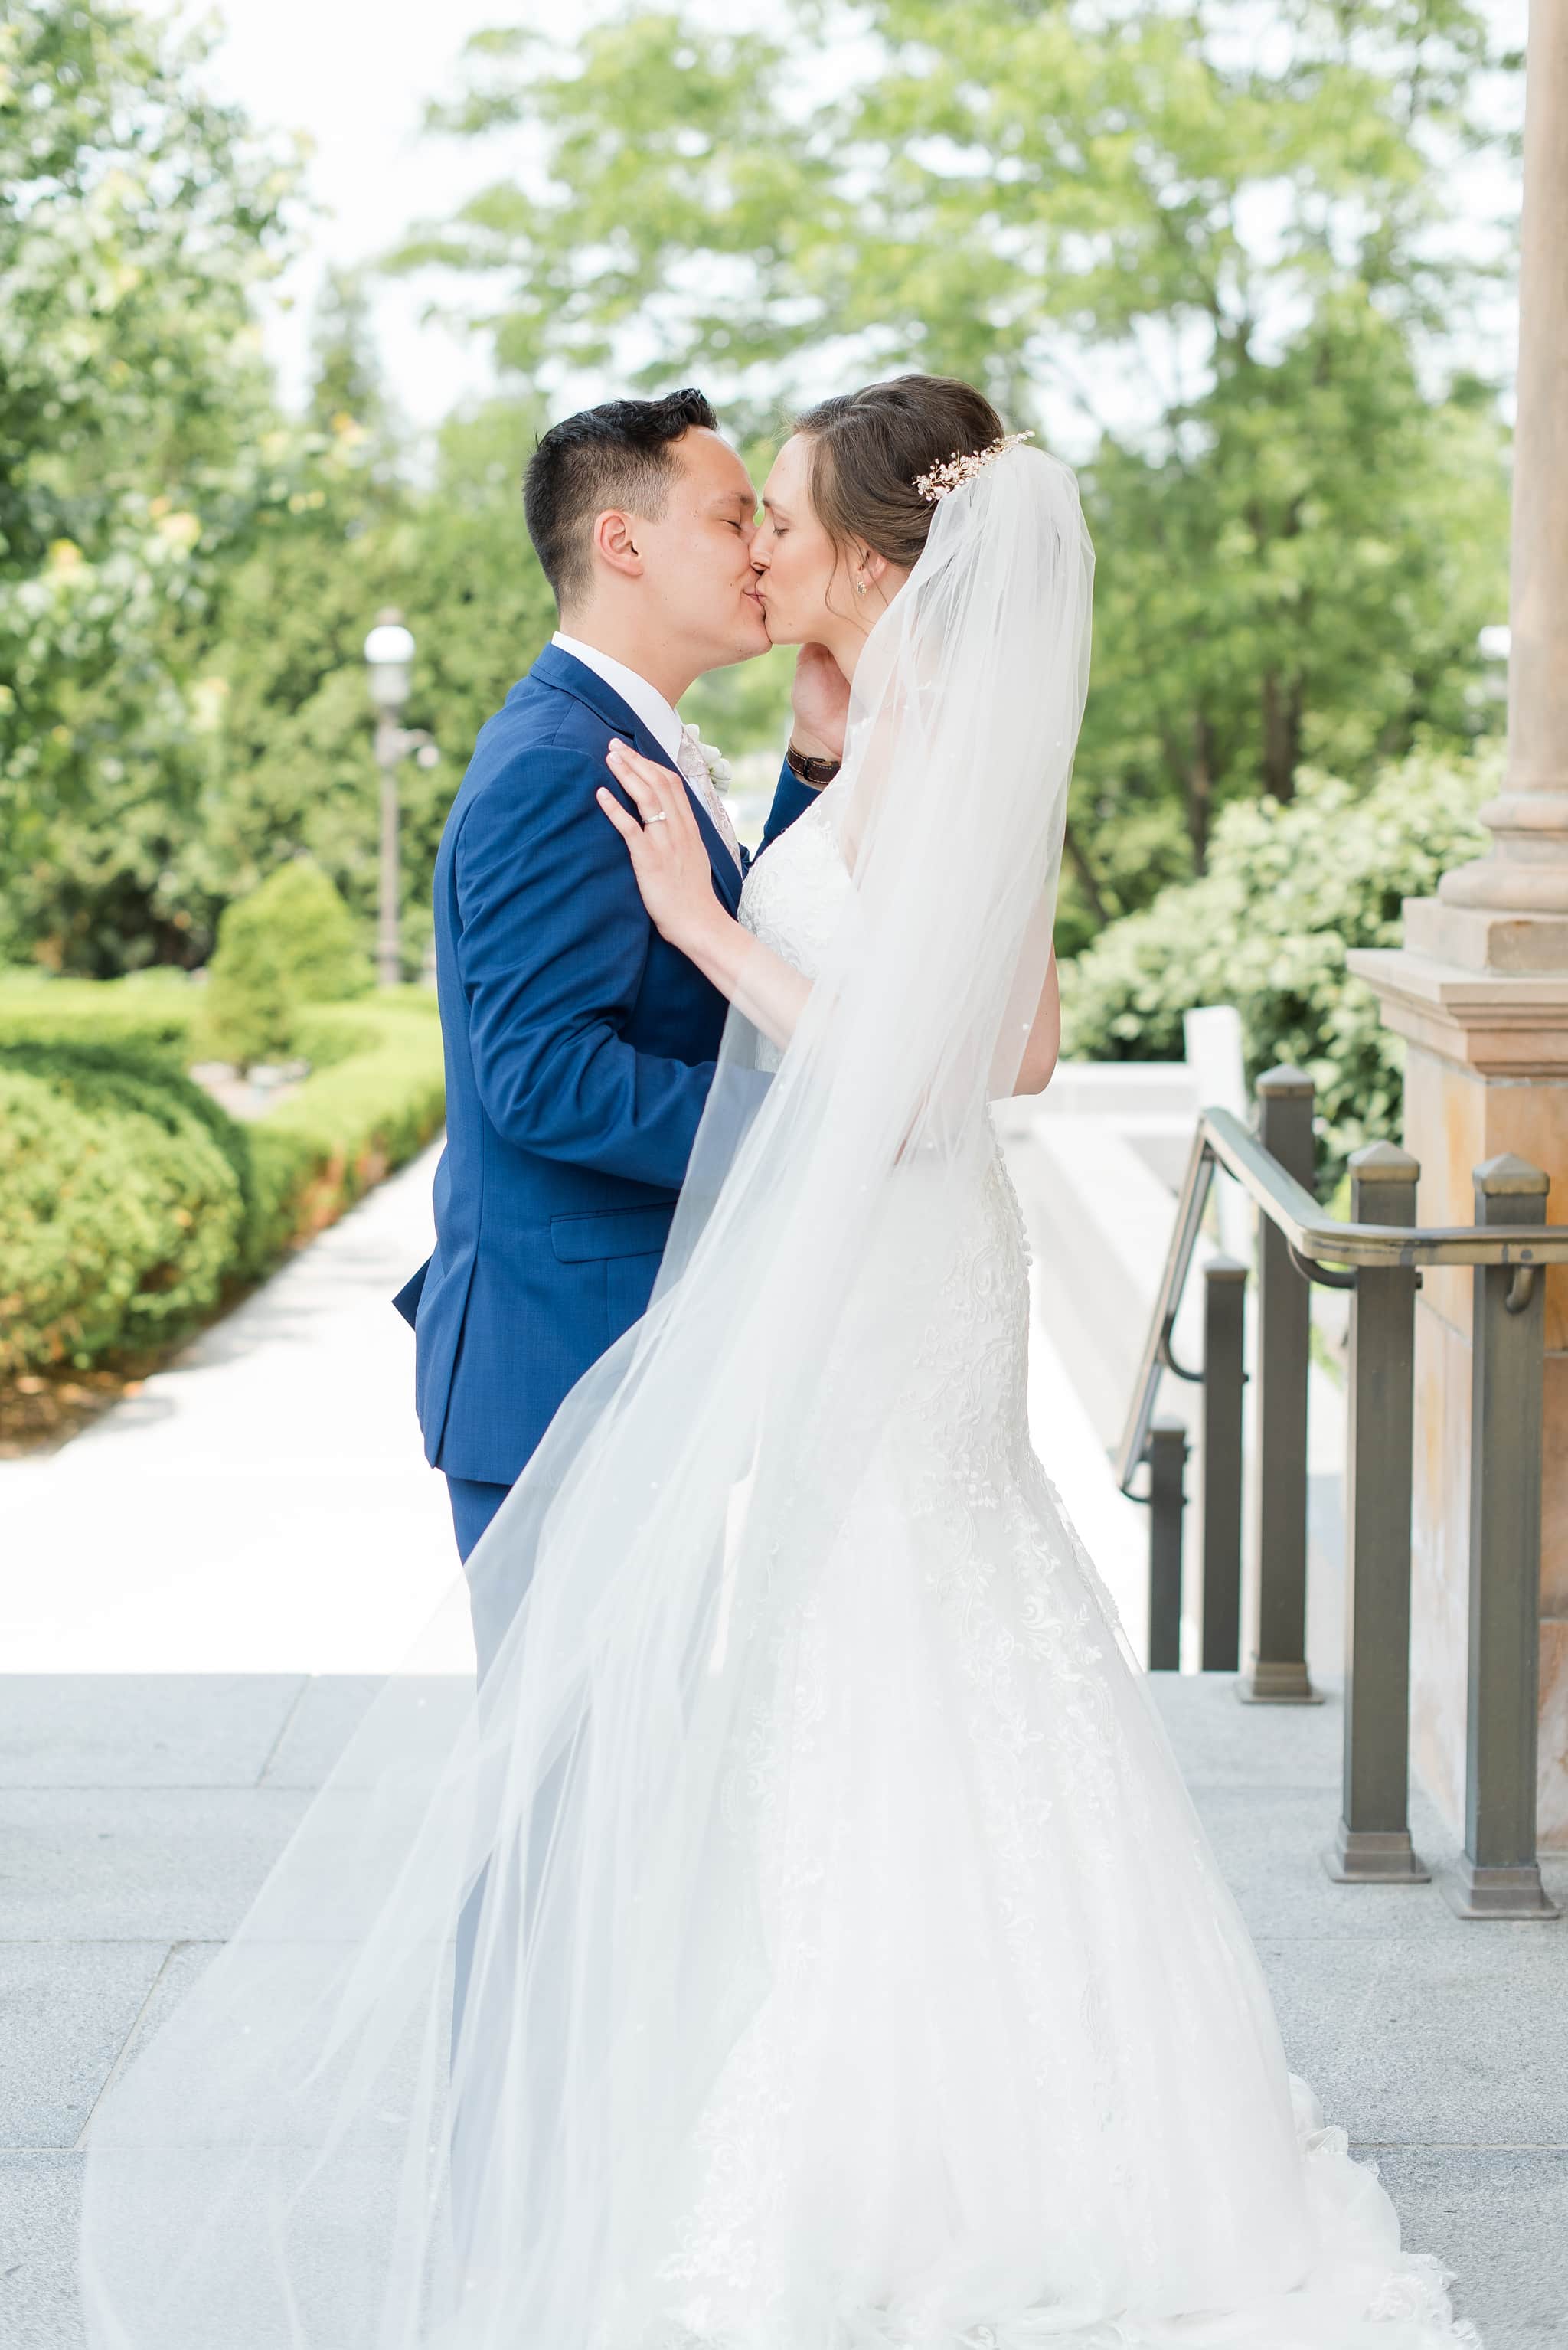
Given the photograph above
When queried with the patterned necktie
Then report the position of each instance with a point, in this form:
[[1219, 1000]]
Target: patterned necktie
[[694, 767]]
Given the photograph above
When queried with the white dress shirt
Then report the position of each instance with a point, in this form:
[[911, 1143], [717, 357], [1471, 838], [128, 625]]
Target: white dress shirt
[[643, 700], [678, 743]]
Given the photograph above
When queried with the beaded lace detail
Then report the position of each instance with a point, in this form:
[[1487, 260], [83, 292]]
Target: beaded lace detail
[[796, 896]]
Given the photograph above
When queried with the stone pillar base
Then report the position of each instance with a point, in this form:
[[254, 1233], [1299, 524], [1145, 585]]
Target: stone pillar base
[[1486, 1071], [1374, 1856], [1497, 1892], [1480, 939], [1276, 1684]]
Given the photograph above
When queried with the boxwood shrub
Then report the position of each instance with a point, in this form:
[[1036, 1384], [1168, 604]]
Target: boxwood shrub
[[290, 941], [375, 1096], [131, 1205], [149, 1008], [123, 1201]]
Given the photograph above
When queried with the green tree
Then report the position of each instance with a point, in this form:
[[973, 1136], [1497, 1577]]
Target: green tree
[[136, 213], [141, 448], [292, 769], [186, 575], [1218, 258], [346, 385]]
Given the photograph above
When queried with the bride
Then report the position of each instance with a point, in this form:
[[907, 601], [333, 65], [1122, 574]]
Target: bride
[[850, 1970]]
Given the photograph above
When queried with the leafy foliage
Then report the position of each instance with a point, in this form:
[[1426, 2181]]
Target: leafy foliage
[[150, 1011], [293, 769], [290, 941], [120, 1207], [248, 1016], [1221, 269], [354, 1121], [318, 938], [71, 1238], [1287, 891], [136, 216], [131, 1205], [187, 575]]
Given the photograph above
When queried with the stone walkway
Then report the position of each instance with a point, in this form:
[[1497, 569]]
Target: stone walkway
[[201, 1592], [138, 1813], [263, 1504]]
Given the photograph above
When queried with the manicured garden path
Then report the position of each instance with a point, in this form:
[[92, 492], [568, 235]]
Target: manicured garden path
[[262, 1506]]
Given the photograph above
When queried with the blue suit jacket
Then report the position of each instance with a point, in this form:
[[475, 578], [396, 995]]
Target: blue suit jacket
[[580, 1050]]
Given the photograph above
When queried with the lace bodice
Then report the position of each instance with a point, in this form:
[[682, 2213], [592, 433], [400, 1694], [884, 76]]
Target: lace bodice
[[796, 895]]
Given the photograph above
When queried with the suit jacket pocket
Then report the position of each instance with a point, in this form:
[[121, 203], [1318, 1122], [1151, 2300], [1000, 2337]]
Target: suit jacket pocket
[[610, 1232]]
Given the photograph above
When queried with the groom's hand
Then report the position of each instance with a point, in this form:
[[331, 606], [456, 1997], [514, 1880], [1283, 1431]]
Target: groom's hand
[[820, 704]]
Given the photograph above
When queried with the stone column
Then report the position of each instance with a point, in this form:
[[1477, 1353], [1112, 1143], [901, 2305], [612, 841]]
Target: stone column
[[1480, 992]]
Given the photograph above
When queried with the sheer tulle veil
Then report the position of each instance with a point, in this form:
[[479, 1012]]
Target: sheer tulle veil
[[306, 2153]]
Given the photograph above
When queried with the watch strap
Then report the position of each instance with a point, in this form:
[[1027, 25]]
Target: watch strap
[[811, 770]]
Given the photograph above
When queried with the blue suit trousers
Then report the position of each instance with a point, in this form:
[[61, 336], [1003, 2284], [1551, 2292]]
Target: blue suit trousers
[[473, 1505]]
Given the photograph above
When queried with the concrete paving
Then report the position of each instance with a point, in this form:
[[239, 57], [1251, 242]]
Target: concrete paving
[[1438, 2046], [202, 1593], [263, 1505]]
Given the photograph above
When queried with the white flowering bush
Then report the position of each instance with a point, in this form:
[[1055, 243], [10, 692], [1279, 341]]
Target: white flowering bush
[[1288, 888]]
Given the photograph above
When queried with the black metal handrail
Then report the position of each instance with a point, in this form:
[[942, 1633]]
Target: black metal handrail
[[1382, 1251], [1319, 1241]]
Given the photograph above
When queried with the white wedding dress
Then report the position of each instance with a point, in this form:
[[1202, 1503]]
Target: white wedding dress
[[1017, 2080], [851, 1971]]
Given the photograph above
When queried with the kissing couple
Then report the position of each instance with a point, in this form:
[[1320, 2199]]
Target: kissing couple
[[800, 1938]]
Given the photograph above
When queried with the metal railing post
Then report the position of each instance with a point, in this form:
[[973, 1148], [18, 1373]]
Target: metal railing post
[[1277, 1674], [1373, 1842], [1224, 1325], [1497, 1875], [1166, 1457]]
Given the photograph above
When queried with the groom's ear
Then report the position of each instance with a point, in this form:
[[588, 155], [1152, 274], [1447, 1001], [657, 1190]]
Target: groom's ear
[[614, 541]]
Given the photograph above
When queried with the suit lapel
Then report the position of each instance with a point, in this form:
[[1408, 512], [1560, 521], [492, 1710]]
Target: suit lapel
[[566, 675]]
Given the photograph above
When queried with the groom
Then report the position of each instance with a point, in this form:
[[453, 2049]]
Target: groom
[[579, 1046]]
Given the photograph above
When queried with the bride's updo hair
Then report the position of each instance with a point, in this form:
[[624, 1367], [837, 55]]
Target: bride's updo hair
[[868, 447]]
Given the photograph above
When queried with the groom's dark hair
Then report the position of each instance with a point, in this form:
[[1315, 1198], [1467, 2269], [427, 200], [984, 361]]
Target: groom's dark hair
[[617, 454]]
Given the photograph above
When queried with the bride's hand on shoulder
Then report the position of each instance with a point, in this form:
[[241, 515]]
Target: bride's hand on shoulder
[[676, 880], [667, 858]]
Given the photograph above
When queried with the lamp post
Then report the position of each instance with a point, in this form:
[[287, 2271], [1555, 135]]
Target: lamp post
[[388, 656]]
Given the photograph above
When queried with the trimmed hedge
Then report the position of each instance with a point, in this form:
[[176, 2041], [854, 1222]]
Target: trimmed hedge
[[152, 1008], [376, 1095], [290, 941], [131, 1205], [180, 1171], [1288, 889], [102, 1237]]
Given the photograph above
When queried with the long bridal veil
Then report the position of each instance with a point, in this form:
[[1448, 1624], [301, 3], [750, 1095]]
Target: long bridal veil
[[309, 2153]]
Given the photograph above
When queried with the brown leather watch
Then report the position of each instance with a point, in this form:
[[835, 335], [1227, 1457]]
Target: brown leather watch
[[816, 771]]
